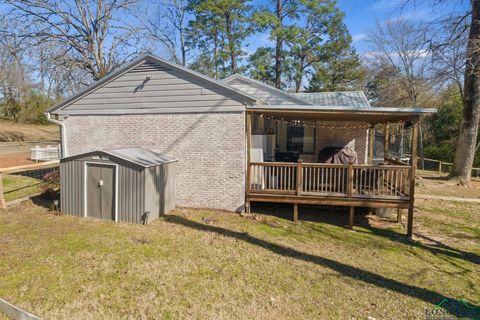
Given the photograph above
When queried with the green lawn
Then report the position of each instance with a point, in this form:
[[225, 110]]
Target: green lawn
[[206, 264], [17, 186]]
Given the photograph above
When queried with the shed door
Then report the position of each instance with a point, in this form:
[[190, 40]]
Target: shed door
[[101, 191]]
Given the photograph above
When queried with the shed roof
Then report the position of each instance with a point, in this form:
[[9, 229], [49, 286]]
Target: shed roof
[[140, 156], [352, 99]]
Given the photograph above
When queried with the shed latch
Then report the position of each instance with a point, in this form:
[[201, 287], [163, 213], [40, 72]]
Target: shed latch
[[100, 183]]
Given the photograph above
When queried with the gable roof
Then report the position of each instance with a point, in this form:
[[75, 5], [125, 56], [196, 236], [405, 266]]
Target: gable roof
[[140, 156], [263, 92], [353, 99], [148, 58]]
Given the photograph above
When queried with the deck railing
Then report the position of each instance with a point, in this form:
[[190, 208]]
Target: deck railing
[[339, 180]]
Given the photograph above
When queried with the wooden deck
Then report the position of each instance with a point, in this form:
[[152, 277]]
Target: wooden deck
[[352, 185], [374, 186]]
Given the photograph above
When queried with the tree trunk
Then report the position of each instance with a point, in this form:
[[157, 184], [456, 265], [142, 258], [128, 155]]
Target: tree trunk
[[183, 49], [231, 43], [279, 47], [467, 140], [299, 75]]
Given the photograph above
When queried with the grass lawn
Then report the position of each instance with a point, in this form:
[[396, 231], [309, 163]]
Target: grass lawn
[[17, 186], [206, 264]]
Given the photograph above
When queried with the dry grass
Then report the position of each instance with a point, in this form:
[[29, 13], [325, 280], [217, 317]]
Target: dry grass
[[11, 131], [204, 264], [437, 184]]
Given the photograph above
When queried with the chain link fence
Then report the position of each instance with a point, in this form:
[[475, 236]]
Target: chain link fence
[[26, 181]]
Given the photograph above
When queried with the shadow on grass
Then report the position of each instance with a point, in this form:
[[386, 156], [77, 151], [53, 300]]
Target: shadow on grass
[[473, 312], [22, 188], [44, 200], [339, 216], [324, 214]]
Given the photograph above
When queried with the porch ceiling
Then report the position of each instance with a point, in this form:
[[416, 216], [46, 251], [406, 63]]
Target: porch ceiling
[[373, 115]]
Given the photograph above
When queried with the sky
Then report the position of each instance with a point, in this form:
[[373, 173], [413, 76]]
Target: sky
[[361, 16]]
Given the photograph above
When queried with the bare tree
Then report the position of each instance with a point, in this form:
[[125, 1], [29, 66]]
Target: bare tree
[[402, 45], [93, 32], [167, 23], [464, 21], [14, 80], [449, 53]]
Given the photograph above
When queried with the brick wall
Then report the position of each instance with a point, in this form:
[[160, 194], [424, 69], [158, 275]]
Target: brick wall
[[354, 134], [210, 148]]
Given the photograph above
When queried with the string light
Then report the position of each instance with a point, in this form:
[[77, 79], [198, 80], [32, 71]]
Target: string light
[[317, 124]]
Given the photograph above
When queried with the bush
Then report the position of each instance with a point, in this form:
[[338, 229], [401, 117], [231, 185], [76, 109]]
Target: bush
[[52, 185]]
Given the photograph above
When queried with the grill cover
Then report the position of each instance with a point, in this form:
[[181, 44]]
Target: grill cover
[[338, 155]]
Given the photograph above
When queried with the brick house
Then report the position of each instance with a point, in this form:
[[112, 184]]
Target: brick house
[[218, 129]]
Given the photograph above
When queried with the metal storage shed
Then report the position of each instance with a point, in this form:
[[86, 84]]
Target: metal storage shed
[[134, 185]]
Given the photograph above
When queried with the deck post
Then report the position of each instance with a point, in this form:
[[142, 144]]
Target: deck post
[[372, 143], [386, 142], [350, 180], [248, 131], [2, 199], [299, 177], [413, 172], [295, 212], [351, 216]]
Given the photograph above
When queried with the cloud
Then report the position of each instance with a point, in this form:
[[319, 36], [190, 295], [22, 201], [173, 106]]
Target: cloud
[[376, 55], [387, 4], [416, 15], [359, 37]]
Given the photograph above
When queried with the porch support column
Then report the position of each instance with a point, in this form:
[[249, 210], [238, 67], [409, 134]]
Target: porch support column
[[350, 217], [413, 172], [248, 131], [295, 212], [372, 144], [386, 141]]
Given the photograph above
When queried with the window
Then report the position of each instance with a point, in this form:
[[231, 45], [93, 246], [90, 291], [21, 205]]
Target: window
[[295, 139], [300, 139]]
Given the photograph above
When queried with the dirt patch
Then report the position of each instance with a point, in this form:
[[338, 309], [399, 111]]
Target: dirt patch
[[12, 160], [437, 184]]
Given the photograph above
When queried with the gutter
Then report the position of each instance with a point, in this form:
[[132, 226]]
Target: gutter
[[63, 134]]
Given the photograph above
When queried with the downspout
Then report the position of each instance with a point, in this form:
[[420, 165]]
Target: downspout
[[63, 134]]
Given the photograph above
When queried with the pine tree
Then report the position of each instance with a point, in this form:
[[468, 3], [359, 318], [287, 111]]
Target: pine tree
[[308, 44], [274, 20], [219, 28], [340, 67]]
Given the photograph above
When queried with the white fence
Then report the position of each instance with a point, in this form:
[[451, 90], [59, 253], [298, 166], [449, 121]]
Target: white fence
[[45, 153]]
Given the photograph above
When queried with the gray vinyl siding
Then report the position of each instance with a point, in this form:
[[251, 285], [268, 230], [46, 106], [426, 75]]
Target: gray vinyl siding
[[168, 90], [139, 189], [264, 92]]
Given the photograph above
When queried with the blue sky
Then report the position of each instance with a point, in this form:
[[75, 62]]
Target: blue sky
[[362, 16]]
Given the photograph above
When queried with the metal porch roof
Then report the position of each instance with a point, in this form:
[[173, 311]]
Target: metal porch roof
[[356, 99]]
